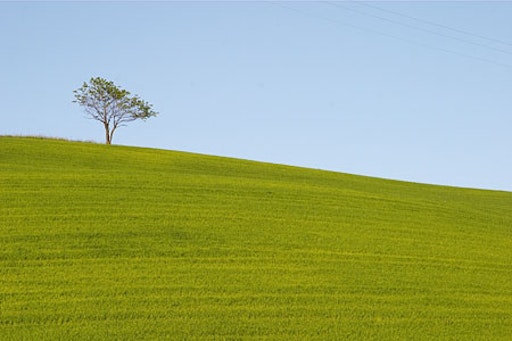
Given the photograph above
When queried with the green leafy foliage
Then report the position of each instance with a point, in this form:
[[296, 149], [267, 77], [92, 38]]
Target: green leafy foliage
[[111, 105], [139, 244]]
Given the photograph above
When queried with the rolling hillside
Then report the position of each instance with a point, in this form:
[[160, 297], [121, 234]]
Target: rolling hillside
[[109, 242]]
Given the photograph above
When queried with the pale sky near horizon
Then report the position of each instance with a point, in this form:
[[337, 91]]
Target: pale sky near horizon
[[415, 91]]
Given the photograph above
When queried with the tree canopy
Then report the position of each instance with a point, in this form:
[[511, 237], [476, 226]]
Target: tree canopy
[[111, 105]]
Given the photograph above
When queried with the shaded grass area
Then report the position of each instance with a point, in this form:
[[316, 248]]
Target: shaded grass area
[[109, 242]]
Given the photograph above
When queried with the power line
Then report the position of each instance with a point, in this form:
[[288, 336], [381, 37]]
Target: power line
[[418, 28], [433, 23], [413, 42]]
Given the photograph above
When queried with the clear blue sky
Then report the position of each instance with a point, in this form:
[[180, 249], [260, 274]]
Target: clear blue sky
[[417, 91]]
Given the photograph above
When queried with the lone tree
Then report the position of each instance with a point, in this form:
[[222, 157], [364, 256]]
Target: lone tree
[[111, 105]]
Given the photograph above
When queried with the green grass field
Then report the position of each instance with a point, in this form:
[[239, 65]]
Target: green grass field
[[108, 242]]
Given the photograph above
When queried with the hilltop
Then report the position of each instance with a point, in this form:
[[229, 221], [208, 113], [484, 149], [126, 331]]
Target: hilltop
[[113, 242]]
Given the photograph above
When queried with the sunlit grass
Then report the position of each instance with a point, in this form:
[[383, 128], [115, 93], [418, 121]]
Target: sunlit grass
[[109, 242]]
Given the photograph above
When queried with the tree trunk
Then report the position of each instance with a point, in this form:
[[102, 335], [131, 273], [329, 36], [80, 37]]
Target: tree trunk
[[111, 137], [108, 138]]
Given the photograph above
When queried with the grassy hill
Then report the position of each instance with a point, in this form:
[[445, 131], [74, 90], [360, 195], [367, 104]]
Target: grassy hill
[[109, 242]]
